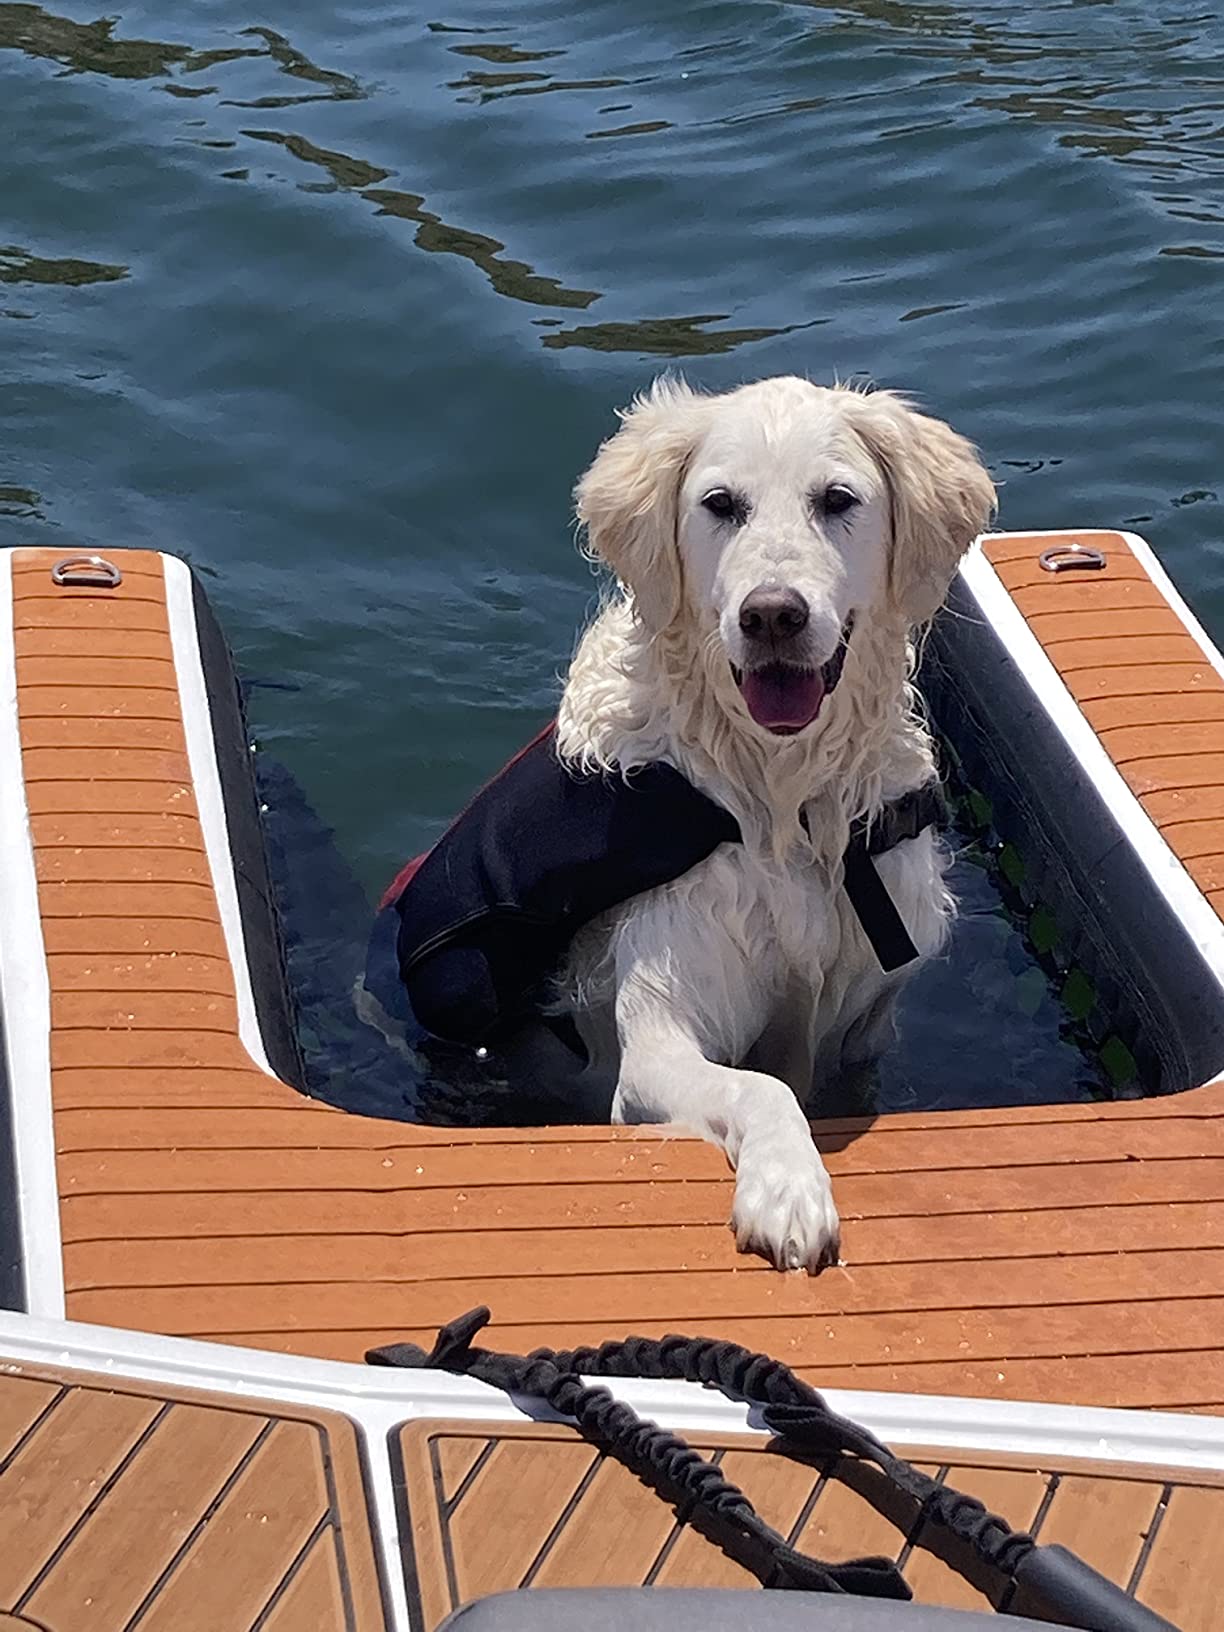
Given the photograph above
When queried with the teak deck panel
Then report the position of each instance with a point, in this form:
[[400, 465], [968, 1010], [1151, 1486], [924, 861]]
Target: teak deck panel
[[1071, 1253], [126, 1504], [533, 1506]]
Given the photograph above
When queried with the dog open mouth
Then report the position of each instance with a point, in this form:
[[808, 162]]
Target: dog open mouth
[[786, 697]]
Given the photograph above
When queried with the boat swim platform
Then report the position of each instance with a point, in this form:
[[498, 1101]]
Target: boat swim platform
[[172, 1184], [199, 1243]]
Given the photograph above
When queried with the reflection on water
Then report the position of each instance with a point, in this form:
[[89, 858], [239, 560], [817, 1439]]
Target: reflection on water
[[513, 278], [291, 61], [991, 60], [489, 88], [85, 48], [930, 311], [22, 266], [644, 127], [664, 336], [90, 48], [502, 53], [23, 502], [344, 171]]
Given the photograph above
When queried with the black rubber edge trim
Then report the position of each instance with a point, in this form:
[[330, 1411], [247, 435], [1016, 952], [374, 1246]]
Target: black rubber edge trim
[[261, 929], [12, 1241], [1046, 803]]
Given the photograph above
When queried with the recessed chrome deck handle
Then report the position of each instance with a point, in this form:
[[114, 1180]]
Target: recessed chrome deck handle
[[1072, 558], [86, 572]]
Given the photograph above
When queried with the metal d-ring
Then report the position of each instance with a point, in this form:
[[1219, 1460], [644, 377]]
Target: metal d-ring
[[1072, 558], [86, 572]]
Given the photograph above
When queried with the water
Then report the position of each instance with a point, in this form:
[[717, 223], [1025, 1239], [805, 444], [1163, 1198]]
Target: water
[[338, 303]]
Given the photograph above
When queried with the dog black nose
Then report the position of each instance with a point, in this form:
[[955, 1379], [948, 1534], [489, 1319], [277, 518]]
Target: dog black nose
[[773, 614]]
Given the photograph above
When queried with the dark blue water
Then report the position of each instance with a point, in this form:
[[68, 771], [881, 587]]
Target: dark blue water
[[337, 302]]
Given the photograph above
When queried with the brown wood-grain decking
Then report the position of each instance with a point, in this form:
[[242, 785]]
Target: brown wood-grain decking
[[132, 1507], [126, 1505], [1142, 682], [1064, 1253], [535, 1506]]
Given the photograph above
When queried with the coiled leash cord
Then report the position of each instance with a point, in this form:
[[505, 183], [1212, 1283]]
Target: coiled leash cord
[[1056, 1586]]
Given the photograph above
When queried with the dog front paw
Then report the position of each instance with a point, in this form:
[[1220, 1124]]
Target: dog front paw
[[784, 1206]]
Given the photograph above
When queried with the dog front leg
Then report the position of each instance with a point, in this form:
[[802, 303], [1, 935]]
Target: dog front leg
[[783, 1199]]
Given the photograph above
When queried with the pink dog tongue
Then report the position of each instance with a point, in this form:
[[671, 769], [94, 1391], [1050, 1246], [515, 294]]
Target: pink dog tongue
[[783, 698]]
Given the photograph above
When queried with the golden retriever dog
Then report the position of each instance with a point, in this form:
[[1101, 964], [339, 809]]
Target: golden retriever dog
[[777, 549]]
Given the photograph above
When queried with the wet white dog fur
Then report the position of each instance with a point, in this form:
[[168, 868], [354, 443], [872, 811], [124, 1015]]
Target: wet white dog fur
[[721, 1002]]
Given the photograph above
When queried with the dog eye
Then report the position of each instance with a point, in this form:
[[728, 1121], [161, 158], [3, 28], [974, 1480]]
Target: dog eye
[[721, 504], [838, 499]]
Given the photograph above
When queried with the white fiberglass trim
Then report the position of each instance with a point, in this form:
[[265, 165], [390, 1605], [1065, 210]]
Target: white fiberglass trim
[[1166, 586], [210, 801], [379, 1398], [25, 999], [1167, 872]]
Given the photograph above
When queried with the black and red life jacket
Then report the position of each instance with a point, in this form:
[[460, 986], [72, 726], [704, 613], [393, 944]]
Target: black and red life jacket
[[487, 914]]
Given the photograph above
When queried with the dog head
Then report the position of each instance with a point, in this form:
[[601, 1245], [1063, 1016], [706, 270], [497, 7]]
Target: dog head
[[779, 518]]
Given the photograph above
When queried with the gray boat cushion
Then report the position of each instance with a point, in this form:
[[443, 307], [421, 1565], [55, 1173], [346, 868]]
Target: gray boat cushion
[[679, 1609]]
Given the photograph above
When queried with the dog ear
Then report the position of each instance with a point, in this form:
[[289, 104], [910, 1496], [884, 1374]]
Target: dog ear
[[941, 497], [628, 498]]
